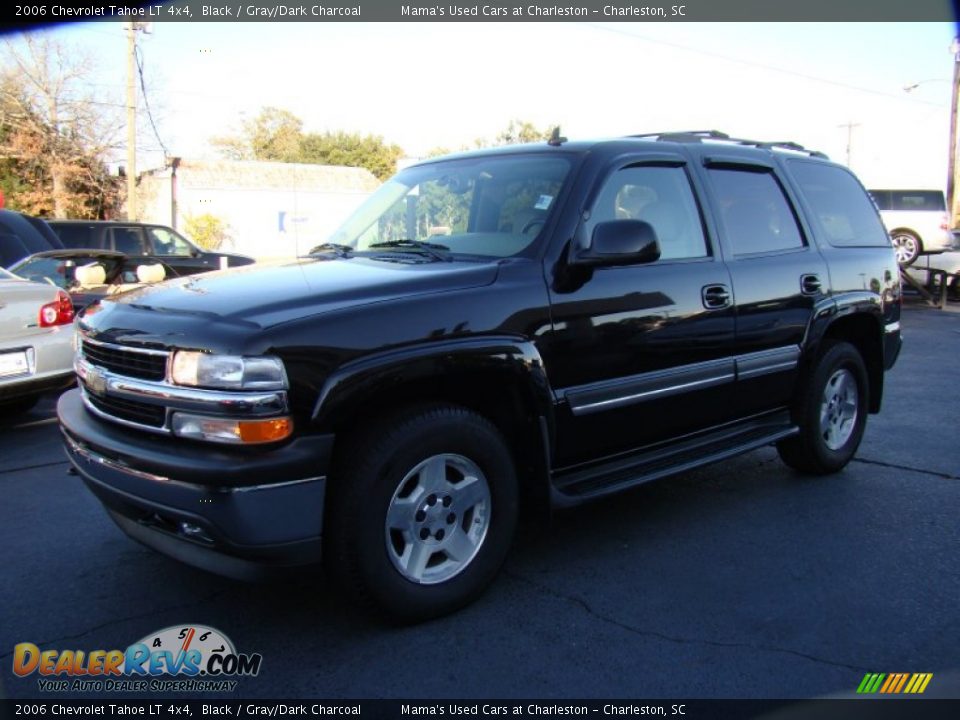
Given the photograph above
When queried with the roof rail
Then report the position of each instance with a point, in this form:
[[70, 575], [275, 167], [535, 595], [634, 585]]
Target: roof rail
[[685, 135], [689, 136]]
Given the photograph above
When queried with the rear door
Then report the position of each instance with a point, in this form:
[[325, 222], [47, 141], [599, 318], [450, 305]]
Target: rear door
[[643, 353], [779, 276]]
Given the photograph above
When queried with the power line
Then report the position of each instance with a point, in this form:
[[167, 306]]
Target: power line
[[752, 63], [146, 103]]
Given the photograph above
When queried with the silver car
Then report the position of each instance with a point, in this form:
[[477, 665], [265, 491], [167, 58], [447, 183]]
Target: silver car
[[36, 341], [917, 221]]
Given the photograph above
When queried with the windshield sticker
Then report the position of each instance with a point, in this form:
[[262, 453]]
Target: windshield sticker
[[544, 202]]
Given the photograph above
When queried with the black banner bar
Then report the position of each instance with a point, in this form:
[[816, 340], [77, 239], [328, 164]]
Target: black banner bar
[[872, 708], [44, 11]]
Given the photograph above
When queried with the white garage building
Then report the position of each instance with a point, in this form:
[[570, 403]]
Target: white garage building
[[271, 209]]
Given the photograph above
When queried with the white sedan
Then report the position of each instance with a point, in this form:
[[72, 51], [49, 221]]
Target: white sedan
[[36, 342]]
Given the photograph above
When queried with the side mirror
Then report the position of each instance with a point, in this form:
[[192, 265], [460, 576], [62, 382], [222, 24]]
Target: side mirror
[[619, 242]]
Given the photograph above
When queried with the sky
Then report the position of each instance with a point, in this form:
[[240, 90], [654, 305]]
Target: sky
[[424, 85]]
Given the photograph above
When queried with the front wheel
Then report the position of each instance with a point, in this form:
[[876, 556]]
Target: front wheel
[[831, 412], [421, 512]]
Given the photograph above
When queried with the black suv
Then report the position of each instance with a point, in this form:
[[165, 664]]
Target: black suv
[[155, 242], [545, 323]]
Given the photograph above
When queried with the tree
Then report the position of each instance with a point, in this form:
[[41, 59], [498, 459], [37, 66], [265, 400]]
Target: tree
[[277, 134], [352, 150], [208, 231], [521, 131], [54, 135]]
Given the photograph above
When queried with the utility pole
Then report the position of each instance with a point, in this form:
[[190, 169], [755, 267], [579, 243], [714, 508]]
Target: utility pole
[[849, 126], [952, 159], [131, 121]]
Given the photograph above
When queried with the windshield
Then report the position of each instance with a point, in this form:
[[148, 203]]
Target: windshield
[[493, 206], [60, 271]]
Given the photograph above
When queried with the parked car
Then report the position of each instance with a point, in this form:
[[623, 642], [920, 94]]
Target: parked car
[[36, 341], [144, 240], [591, 316], [22, 235], [917, 221], [89, 275]]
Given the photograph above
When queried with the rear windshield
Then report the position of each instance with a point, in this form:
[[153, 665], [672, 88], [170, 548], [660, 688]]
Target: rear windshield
[[846, 216]]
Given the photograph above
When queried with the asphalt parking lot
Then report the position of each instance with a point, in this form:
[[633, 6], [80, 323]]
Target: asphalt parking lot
[[741, 580]]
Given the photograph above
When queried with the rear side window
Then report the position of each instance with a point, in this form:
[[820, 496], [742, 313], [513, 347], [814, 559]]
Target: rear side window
[[929, 200], [846, 215], [754, 211], [77, 236]]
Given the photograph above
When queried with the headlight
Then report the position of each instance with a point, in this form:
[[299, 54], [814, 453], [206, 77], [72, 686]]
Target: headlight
[[228, 372]]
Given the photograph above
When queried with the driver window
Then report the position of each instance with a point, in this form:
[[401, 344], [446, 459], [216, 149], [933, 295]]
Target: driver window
[[657, 195], [166, 242]]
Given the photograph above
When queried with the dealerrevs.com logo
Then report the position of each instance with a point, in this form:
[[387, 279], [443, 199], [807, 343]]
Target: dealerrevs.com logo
[[184, 658]]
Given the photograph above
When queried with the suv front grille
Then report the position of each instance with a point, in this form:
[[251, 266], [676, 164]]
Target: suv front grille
[[129, 410], [129, 362]]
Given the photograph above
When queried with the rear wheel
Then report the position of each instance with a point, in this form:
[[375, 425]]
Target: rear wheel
[[831, 412], [422, 512], [907, 247]]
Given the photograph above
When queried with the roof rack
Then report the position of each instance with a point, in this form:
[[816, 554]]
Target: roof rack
[[689, 136]]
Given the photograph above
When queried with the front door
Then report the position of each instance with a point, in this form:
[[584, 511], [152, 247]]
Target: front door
[[641, 353]]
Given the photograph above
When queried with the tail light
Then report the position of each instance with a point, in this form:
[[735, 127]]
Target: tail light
[[945, 222], [59, 312]]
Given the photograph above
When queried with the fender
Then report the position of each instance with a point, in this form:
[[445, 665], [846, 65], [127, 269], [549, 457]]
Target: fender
[[839, 308], [515, 359]]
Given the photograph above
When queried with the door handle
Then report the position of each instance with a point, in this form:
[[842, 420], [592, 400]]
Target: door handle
[[810, 284], [715, 296]]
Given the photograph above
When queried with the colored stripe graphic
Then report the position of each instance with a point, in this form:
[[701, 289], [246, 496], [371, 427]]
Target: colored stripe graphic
[[894, 683]]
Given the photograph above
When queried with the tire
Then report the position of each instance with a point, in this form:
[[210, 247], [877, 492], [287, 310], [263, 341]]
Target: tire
[[831, 411], [421, 512], [907, 247]]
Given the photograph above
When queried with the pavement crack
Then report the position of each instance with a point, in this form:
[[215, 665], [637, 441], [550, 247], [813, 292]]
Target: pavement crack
[[576, 600], [117, 621], [894, 466]]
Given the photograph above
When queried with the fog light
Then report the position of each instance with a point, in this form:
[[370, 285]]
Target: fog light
[[228, 430]]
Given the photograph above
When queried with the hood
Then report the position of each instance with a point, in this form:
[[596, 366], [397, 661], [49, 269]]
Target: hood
[[268, 295]]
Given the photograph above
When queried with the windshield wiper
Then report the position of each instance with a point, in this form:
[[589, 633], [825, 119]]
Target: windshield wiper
[[434, 250], [336, 248]]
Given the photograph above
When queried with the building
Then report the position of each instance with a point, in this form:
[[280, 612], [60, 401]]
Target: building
[[271, 209]]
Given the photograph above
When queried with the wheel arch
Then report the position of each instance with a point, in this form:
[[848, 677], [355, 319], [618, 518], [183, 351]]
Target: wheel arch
[[499, 378], [864, 330], [908, 231]]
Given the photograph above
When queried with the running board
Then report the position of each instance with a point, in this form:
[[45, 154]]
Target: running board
[[579, 484]]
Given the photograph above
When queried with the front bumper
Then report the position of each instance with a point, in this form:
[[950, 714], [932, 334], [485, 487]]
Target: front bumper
[[241, 514]]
